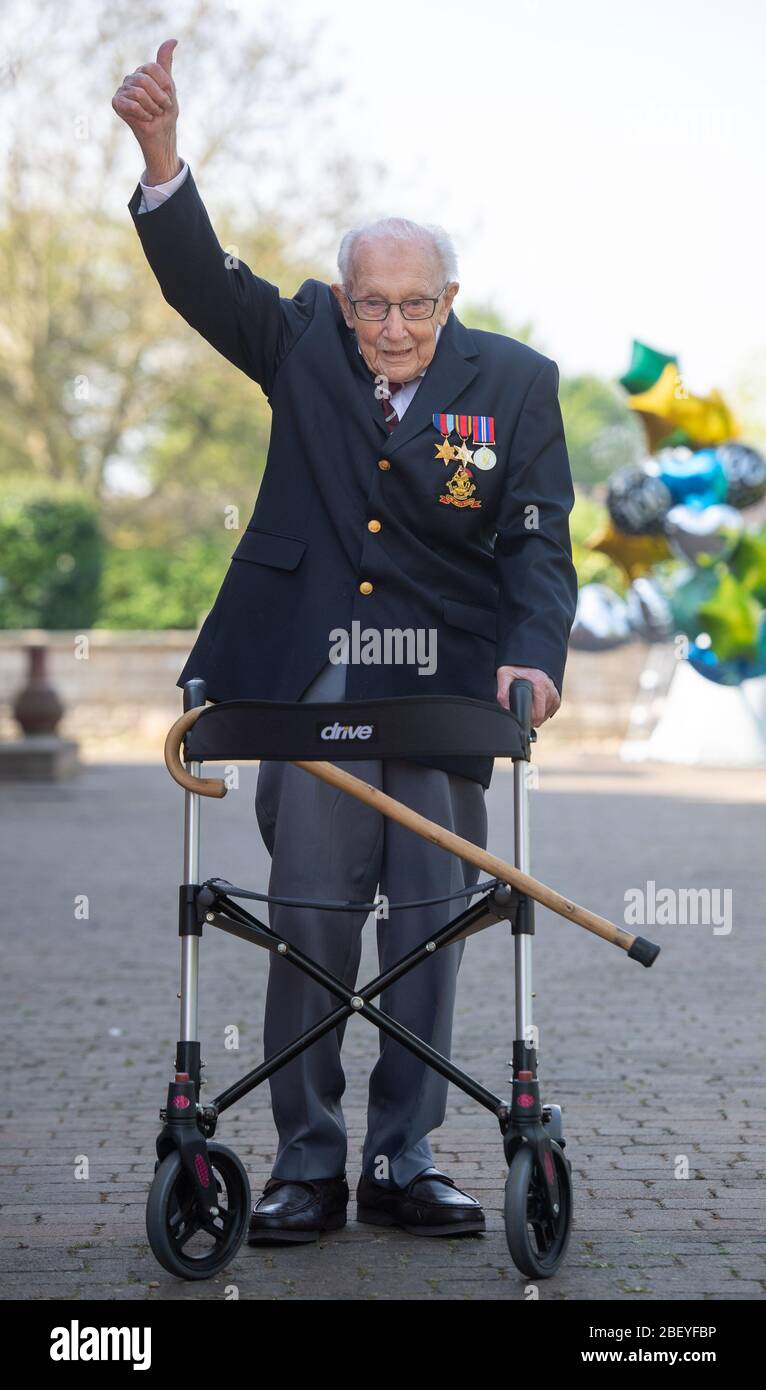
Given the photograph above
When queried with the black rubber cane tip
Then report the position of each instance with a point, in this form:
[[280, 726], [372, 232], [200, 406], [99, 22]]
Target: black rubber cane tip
[[644, 951]]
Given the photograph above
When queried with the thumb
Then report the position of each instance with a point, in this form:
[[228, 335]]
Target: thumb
[[165, 54]]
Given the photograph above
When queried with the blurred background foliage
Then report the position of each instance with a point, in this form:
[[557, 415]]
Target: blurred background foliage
[[126, 442]]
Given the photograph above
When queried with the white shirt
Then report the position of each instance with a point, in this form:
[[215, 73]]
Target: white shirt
[[152, 195]]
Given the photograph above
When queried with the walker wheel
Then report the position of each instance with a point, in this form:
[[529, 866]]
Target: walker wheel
[[174, 1226], [537, 1243]]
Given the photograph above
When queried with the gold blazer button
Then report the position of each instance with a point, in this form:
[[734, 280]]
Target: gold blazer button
[[365, 587], [373, 525], [384, 465]]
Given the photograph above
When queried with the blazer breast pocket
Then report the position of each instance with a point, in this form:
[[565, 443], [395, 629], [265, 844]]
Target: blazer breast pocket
[[482, 622], [269, 548]]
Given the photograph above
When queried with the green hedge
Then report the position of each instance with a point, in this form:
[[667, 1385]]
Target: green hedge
[[51, 562], [153, 588]]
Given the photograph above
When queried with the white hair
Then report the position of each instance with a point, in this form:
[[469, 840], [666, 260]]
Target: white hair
[[400, 229]]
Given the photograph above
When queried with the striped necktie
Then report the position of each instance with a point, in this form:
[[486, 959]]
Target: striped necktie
[[389, 413]]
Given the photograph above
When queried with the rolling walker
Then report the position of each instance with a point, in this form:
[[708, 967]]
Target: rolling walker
[[199, 1204]]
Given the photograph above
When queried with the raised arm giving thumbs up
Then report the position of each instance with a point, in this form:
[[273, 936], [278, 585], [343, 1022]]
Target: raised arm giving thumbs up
[[148, 104]]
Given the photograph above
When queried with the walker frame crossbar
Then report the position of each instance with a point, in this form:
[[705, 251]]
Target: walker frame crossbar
[[213, 904]]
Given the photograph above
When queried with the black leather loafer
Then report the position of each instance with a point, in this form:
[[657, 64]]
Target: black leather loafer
[[431, 1205], [294, 1210]]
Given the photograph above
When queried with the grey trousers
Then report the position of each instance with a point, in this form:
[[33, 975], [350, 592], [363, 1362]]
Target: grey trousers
[[324, 843]]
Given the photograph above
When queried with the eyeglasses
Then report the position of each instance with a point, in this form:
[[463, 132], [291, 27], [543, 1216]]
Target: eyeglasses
[[375, 309]]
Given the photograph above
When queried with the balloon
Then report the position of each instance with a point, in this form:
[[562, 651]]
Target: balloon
[[731, 618], [697, 478], [705, 419], [635, 555], [745, 471], [689, 588], [748, 564], [731, 672], [760, 655], [601, 620], [658, 435], [676, 439], [649, 612], [705, 661], [638, 499], [645, 367], [703, 537]]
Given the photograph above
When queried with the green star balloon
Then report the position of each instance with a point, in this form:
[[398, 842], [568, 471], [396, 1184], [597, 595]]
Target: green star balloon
[[731, 616], [748, 564], [672, 440], [646, 367], [690, 588]]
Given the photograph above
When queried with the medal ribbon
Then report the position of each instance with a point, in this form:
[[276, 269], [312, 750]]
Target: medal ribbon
[[445, 424], [483, 429]]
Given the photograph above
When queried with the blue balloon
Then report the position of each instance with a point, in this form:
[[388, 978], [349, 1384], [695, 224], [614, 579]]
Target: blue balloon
[[697, 479], [760, 651], [707, 664], [734, 671]]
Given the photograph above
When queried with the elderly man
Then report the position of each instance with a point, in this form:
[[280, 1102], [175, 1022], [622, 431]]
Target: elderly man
[[417, 485]]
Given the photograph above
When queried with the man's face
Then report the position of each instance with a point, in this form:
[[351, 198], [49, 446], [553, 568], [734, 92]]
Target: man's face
[[386, 268]]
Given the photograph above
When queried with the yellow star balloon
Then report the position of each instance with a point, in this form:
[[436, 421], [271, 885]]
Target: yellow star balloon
[[635, 555], [707, 420]]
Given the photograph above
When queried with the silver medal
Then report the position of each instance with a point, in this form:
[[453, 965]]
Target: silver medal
[[484, 457]]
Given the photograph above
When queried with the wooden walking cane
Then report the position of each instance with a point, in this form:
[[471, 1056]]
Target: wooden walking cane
[[636, 946], [473, 854]]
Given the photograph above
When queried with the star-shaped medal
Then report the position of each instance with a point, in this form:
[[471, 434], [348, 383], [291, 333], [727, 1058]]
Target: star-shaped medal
[[463, 453], [445, 451]]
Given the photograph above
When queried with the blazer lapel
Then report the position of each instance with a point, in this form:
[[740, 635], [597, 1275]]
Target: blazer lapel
[[449, 372], [365, 380]]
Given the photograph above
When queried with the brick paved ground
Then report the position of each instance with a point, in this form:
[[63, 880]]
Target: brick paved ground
[[648, 1065]]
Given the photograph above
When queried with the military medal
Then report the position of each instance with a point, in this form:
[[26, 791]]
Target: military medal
[[445, 424], [460, 488], [484, 458], [463, 427], [484, 434]]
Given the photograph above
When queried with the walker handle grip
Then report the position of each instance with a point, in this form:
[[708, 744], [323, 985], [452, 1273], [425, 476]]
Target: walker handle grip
[[194, 693], [520, 697]]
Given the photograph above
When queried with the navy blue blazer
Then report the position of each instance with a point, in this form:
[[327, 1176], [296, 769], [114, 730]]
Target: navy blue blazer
[[495, 581]]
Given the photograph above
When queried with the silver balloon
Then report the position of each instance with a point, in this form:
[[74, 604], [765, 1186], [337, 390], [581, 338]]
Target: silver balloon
[[703, 535], [665, 458], [601, 620], [637, 499], [648, 610], [745, 471]]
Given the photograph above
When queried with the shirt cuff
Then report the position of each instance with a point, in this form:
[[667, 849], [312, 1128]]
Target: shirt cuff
[[152, 195]]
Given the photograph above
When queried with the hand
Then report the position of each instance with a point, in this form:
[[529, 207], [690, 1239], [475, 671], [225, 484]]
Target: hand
[[546, 698], [147, 103]]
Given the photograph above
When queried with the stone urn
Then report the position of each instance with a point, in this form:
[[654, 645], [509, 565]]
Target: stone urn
[[37, 707]]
